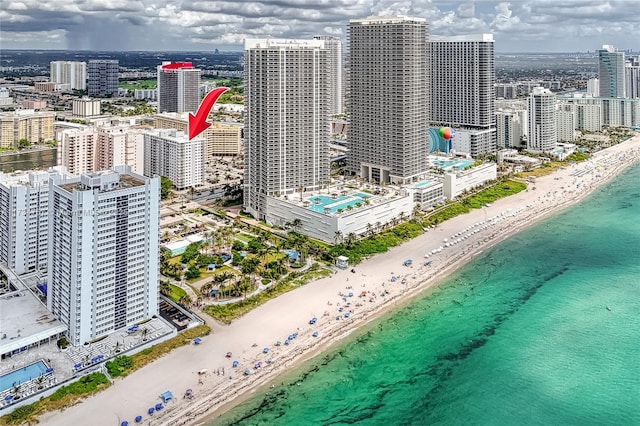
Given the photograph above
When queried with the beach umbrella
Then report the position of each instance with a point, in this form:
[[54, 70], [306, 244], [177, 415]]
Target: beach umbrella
[[265, 350], [151, 410], [235, 364], [159, 406], [315, 334], [138, 419], [125, 423]]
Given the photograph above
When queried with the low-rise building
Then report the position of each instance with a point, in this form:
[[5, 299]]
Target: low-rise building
[[455, 183], [86, 107]]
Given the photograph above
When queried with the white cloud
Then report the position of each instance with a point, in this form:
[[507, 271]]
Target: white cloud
[[203, 24]]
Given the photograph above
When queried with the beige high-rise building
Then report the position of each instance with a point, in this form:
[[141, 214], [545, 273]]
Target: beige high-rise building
[[220, 139], [34, 126], [101, 148]]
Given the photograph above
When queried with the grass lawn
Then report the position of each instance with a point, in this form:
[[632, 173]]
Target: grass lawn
[[204, 274], [149, 83], [176, 293], [243, 237], [175, 260]]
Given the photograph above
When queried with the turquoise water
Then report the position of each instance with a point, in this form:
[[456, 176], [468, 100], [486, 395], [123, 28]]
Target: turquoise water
[[543, 328], [22, 375], [319, 202], [450, 164]]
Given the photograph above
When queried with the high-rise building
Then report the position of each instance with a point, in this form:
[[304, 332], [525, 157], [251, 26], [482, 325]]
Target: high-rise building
[[388, 98], [336, 72], [565, 122], [593, 87], [100, 148], [506, 91], [170, 153], [463, 86], [103, 77], [611, 72], [69, 72], [34, 126], [24, 219], [542, 121], [632, 78], [103, 252], [220, 138], [512, 126], [178, 87], [286, 119]]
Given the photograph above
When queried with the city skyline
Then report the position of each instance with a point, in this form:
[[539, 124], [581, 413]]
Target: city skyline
[[527, 26]]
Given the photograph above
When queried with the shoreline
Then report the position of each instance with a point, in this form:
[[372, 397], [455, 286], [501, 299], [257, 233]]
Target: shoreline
[[291, 312]]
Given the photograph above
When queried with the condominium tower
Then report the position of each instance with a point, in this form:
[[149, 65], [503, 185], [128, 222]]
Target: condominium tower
[[170, 153], [542, 120], [463, 87], [69, 72], [287, 119], [632, 78], [178, 87], [102, 77], [103, 252], [389, 92], [336, 71], [24, 219], [611, 72]]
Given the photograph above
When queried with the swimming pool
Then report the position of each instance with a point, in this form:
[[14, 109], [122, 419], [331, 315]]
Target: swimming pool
[[22, 375], [342, 202], [450, 164]]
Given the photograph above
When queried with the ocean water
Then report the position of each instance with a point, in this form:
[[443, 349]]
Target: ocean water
[[543, 328]]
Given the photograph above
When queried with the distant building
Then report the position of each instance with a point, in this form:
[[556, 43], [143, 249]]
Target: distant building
[[34, 104], [611, 72], [45, 86], [103, 77], [593, 87], [388, 98], [336, 90], [145, 94], [103, 252], [34, 126], [220, 139], [506, 91], [593, 113], [178, 87], [24, 219], [512, 127], [632, 78], [170, 153], [542, 121], [86, 107], [6, 100], [72, 73], [565, 122]]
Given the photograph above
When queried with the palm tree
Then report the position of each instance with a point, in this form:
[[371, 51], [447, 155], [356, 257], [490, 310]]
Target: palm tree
[[40, 381], [401, 216], [15, 391], [165, 288], [301, 190], [296, 224], [338, 237], [351, 238], [185, 300], [116, 349], [369, 229]]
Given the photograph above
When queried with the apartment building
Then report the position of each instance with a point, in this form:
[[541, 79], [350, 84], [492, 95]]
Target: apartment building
[[542, 121], [178, 87], [35, 126], [170, 153], [103, 252], [103, 77], [72, 73]]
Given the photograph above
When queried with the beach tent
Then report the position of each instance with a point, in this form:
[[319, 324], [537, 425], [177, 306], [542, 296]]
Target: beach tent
[[159, 407], [197, 340], [166, 396]]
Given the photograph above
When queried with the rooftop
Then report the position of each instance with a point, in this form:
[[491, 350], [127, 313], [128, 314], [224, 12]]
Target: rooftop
[[106, 180]]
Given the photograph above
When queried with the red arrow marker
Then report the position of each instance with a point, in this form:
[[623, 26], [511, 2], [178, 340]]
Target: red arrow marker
[[198, 123]]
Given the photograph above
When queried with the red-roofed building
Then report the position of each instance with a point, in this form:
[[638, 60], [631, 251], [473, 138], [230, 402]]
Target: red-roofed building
[[178, 87]]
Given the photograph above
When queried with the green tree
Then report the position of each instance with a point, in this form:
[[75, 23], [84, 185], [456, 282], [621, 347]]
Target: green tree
[[24, 143], [165, 187]]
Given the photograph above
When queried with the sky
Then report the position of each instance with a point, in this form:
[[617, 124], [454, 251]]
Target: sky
[[203, 25]]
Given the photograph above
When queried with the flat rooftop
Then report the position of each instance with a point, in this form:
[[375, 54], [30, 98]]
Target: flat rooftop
[[24, 319], [124, 181]]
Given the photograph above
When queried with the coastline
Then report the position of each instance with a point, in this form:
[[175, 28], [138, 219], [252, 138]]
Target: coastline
[[291, 312]]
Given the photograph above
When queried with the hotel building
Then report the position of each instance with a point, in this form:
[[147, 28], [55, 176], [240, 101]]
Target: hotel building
[[463, 89], [287, 119], [388, 99], [178, 87], [336, 71], [103, 252], [611, 72]]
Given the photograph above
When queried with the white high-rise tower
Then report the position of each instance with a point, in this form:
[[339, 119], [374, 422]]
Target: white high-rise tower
[[336, 71], [287, 119], [542, 121]]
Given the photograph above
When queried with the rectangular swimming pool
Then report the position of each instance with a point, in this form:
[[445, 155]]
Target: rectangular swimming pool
[[22, 375], [451, 164], [320, 202]]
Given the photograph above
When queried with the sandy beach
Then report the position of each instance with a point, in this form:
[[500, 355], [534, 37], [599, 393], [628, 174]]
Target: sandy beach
[[329, 300]]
